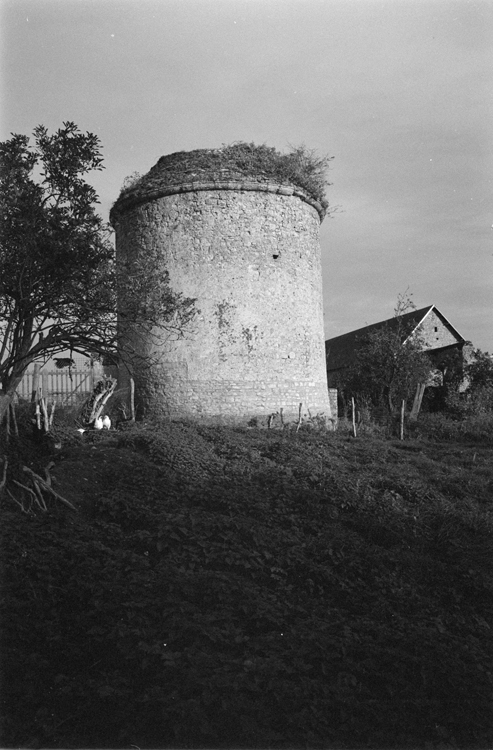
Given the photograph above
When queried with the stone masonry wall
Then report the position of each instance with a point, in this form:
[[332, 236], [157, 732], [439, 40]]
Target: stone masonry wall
[[435, 334], [252, 261]]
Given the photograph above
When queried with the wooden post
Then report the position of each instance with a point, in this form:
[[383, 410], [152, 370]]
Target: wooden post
[[299, 417], [44, 412], [353, 414], [14, 419], [38, 417], [34, 392], [50, 423], [403, 409], [420, 389], [132, 399]]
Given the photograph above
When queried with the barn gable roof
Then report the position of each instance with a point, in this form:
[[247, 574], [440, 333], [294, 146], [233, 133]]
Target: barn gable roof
[[341, 350]]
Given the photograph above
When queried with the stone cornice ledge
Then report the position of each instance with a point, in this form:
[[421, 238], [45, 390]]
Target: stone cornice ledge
[[127, 202]]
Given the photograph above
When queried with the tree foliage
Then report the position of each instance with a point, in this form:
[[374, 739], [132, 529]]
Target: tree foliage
[[57, 264], [473, 396], [56, 259], [148, 309], [479, 371], [389, 362], [466, 388]]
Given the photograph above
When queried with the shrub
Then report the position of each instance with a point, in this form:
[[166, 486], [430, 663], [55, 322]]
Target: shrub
[[444, 426]]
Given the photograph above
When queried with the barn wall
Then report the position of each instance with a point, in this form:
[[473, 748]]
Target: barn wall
[[435, 333]]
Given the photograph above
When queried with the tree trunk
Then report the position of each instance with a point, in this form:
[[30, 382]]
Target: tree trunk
[[420, 389], [4, 405], [132, 399], [390, 402], [34, 393], [7, 396], [5, 401]]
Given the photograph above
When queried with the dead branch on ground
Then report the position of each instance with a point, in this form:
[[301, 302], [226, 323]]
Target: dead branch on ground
[[36, 479], [35, 496]]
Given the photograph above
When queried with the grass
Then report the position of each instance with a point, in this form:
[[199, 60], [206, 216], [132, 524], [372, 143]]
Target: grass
[[473, 428], [244, 588]]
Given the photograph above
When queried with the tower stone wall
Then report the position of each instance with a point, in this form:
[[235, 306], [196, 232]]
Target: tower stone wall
[[249, 253]]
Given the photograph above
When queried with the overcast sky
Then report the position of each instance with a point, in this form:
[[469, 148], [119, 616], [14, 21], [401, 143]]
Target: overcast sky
[[400, 92]]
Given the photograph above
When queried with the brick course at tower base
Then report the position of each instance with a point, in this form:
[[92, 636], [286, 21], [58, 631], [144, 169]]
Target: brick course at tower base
[[232, 401]]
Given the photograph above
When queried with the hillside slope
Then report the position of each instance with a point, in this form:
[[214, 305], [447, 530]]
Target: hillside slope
[[246, 588]]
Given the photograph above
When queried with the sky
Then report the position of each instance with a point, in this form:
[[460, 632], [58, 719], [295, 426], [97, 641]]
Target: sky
[[399, 92]]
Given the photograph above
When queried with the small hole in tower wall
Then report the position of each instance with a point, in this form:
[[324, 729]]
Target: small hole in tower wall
[[276, 255]]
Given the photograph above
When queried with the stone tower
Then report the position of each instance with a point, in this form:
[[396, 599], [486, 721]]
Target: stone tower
[[246, 247]]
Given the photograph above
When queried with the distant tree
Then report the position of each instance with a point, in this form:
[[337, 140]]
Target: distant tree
[[57, 266], [479, 371], [389, 363], [476, 396], [451, 372]]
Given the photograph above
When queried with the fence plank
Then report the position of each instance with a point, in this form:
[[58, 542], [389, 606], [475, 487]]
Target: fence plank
[[60, 386]]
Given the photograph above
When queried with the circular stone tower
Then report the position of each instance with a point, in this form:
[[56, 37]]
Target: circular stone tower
[[244, 243]]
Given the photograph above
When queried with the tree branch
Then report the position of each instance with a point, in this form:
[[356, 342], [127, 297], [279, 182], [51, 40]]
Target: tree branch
[[36, 478]]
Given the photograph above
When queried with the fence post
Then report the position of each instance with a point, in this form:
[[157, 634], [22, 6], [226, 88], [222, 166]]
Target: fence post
[[132, 400], [403, 408], [34, 392], [420, 389]]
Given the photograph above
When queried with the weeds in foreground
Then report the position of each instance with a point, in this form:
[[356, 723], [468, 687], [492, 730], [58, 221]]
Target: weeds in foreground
[[248, 588], [473, 428]]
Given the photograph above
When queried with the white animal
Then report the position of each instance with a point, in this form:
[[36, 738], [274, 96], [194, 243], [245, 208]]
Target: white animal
[[98, 423], [106, 423]]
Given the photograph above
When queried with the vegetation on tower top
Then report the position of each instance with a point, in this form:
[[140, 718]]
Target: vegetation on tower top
[[301, 168]]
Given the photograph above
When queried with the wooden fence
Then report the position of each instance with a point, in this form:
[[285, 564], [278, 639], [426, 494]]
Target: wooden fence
[[65, 386]]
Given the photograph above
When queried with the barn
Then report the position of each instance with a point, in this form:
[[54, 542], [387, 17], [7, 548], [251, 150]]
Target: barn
[[438, 334]]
